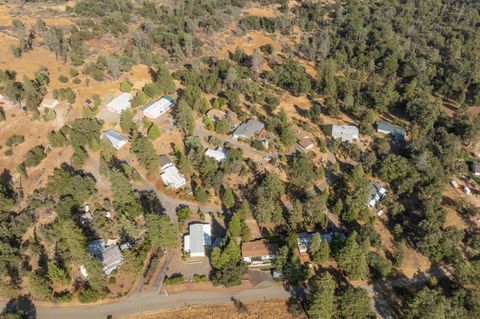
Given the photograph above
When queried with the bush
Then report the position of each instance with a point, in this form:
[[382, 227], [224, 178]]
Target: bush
[[35, 156], [76, 81], [125, 86], [14, 140], [62, 297], [89, 295], [63, 79], [112, 280], [8, 152], [183, 214], [200, 278], [73, 72], [174, 279], [201, 194]]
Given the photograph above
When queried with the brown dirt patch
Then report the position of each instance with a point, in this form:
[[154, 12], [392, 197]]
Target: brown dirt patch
[[259, 309]]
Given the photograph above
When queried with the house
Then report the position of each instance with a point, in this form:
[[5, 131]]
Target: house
[[50, 103], [305, 144], [397, 132], [220, 154], [109, 254], [120, 103], [475, 167], [259, 252], [115, 138], [200, 235], [172, 178], [305, 239], [165, 162], [249, 129], [375, 194], [216, 115], [156, 108], [347, 133]]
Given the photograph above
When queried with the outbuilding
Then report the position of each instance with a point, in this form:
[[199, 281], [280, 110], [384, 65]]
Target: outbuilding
[[115, 138], [475, 167], [395, 131], [120, 103]]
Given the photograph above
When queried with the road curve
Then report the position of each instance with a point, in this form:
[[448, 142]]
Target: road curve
[[151, 302]]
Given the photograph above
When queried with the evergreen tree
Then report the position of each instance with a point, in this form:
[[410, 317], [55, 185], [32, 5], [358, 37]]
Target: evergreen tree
[[352, 258], [322, 302]]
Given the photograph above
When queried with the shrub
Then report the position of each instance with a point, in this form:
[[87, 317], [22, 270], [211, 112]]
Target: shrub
[[89, 295], [125, 86], [76, 81], [174, 279], [73, 72], [14, 140], [112, 280], [35, 156], [9, 152], [63, 79], [200, 278]]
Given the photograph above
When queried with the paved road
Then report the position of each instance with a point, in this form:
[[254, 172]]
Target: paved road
[[153, 302]]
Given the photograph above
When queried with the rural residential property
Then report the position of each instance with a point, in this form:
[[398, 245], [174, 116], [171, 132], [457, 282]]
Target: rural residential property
[[239, 159]]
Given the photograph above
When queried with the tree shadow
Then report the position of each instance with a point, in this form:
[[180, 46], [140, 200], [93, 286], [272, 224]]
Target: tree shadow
[[22, 305]]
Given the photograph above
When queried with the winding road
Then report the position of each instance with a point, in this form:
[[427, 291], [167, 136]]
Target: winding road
[[150, 302]]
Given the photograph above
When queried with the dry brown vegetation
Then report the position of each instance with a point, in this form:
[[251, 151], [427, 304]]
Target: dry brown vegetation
[[254, 310]]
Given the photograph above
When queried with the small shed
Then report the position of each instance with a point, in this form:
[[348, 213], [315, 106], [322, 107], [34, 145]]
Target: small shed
[[375, 194], [120, 103], [115, 138]]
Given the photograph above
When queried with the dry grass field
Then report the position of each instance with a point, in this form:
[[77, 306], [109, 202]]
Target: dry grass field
[[254, 310]]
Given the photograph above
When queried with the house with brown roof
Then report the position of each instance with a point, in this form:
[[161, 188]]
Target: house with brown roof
[[305, 144], [259, 252]]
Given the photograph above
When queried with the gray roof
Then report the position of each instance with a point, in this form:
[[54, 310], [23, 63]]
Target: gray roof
[[115, 138], [200, 236], [110, 256], [345, 132], [476, 167], [165, 160], [249, 129], [389, 128]]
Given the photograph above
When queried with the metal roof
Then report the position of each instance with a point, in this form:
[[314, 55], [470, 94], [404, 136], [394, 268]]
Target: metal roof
[[220, 154], [115, 138], [389, 128], [345, 132], [120, 103], [249, 129], [156, 108]]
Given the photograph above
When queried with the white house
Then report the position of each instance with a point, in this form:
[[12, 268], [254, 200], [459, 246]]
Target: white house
[[156, 108], [200, 235], [347, 133], [50, 103], [220, 154], [120, 103], [171, 177], [115, 138], [259, 252]]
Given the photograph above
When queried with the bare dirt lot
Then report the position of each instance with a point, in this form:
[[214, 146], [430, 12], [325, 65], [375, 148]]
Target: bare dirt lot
[[254, 310]]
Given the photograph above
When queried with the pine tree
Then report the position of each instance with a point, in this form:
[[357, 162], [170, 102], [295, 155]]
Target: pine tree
[[228, 198], [322, 302], [234, 226], [352, 258]]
